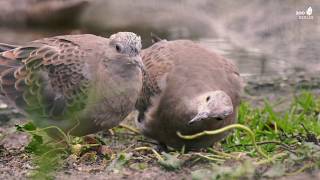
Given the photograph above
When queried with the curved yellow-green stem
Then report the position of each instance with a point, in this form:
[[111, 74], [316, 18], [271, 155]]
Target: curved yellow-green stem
[[52, 150], [52, 127], [223, 154], [210, 158], [226, 128], [271, 159], [132, 129], [150, 149]]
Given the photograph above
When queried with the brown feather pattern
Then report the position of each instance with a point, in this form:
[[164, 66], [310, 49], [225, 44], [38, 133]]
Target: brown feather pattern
[[66, 80], [179, 70], [46, 67]]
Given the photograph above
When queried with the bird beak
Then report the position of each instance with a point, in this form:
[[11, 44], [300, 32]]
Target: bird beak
[[204, 115], [199, 117], [138, 61]]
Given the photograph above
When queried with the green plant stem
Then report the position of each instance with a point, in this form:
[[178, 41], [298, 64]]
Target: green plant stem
[[74, 127], [266, 161], [128, 148], [209, 158], [150, 149], [90, 145], [226, 128], [67, 139], [53, 150], [282, 145], [223, 154], [218, 156], [132, 129]]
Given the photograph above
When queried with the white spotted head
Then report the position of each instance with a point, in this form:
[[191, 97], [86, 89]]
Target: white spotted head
[[212, 105], [126, 43]]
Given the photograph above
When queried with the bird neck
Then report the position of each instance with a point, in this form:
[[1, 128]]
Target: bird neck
[[148, 85], [116, 79]]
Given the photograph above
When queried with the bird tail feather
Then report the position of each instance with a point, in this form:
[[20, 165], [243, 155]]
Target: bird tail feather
[[7, 59], [6, 47], [8, 67]]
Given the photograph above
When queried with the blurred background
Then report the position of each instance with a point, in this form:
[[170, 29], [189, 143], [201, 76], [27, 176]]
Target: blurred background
[[276, 44]]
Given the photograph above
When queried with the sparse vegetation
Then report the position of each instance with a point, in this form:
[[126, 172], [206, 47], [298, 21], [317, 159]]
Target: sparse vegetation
[[287, 143]]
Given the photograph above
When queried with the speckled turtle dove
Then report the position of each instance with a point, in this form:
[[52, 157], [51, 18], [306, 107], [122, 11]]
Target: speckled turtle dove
[[79, 83]]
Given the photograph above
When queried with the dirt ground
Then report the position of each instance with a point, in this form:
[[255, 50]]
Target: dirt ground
[[16, 163]]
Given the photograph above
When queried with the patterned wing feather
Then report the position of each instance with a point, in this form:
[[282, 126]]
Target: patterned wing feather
[[46, 78], [157, 66]]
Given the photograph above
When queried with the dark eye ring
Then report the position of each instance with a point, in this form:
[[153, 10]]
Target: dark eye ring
[[118, 48]]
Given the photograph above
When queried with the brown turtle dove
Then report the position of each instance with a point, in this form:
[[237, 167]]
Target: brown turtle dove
[[187, 89], [79, 83]]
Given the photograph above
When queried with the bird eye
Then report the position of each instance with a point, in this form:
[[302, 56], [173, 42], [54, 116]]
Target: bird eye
[[118, 48], [208, 98], [135, 50]]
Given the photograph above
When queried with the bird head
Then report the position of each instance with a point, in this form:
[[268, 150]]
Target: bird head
[[127, 43], [212, 105]]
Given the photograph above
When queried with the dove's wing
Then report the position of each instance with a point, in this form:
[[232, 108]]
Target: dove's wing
[[45, 78], [160, 59], [157, 63]]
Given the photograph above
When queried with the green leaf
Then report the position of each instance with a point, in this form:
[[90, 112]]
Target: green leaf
[[29, 126], [26, 127], [171, 162], [117, 164], [35, 145]]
